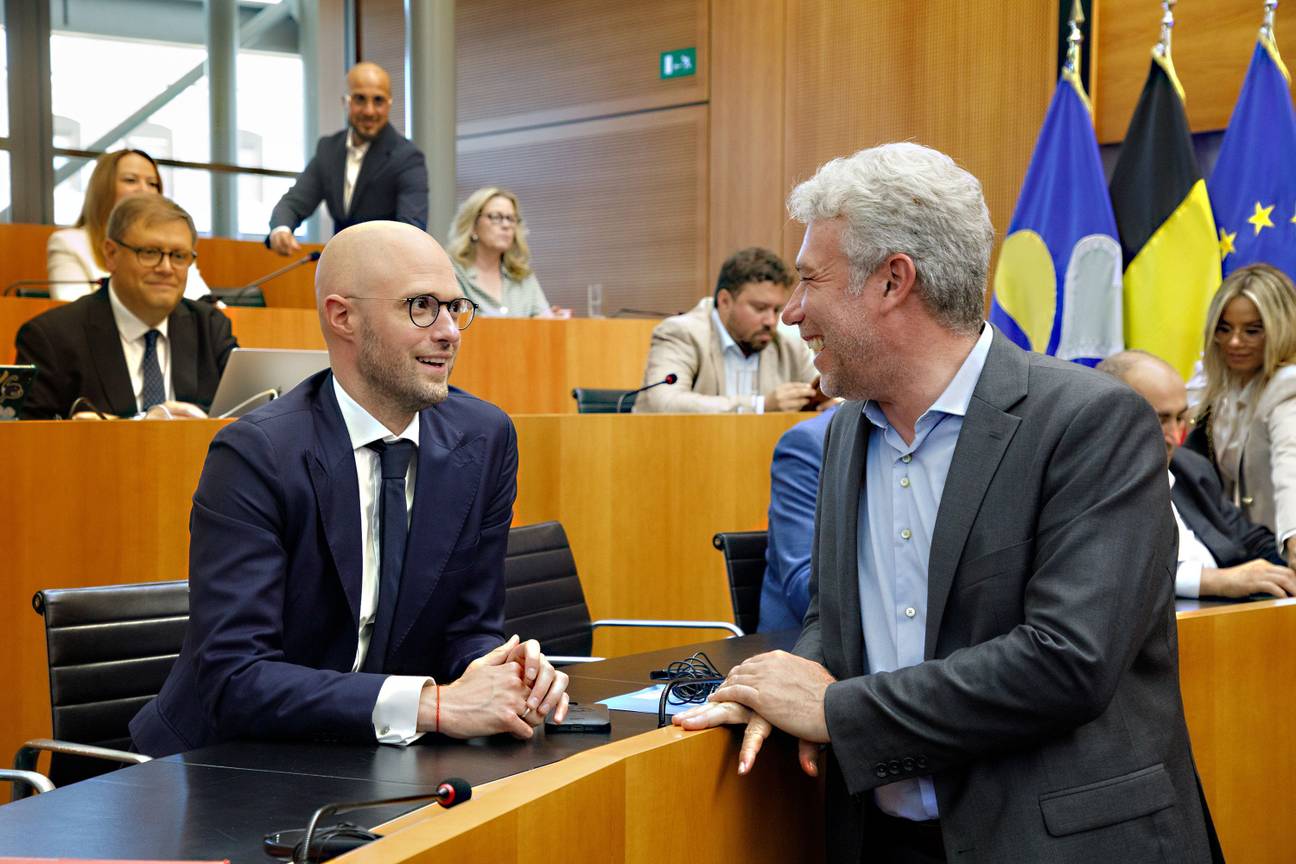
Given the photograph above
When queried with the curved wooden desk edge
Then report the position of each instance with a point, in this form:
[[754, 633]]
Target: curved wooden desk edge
[[637, 799]]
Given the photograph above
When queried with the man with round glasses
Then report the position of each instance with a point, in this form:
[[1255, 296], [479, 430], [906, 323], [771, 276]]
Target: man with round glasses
[[367, 171], [136, 345], [347, 540]]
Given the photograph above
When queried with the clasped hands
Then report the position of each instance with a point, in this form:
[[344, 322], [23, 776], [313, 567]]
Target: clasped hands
[[509, 689], [776, 689]]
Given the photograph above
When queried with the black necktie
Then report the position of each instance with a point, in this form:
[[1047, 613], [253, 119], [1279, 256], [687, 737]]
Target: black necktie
[[154, 390], [392, 518]]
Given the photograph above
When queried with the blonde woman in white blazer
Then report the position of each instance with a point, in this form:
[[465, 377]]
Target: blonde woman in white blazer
[[1249, 404], [74, 255]]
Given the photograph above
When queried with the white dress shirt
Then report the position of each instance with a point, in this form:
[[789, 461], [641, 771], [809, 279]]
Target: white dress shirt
[[132, 331], [395, 714], [355, 154], [741, 370], [1193, 556]]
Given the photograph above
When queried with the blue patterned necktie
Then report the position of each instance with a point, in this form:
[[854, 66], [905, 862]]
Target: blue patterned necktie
[[392, 519], [154, 389]]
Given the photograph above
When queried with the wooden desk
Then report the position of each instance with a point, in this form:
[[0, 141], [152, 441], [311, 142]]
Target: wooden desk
[[640, 498], [525, 366]]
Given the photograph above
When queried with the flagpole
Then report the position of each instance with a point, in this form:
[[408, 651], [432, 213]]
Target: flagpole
[[1266, 29], [1071, 68], [1161, 52]]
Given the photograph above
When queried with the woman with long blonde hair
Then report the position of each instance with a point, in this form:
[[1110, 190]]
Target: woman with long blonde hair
[[488, 245], [74, 256], [1249, 405]]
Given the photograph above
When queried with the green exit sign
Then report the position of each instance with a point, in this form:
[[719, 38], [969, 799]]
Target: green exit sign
[[677, 64]]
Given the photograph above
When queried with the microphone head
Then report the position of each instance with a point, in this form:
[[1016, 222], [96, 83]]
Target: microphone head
[[314, 256], [454, 790], [671, 378]]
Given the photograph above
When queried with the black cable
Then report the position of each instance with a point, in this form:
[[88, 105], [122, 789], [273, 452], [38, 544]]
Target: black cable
[[689, 681]]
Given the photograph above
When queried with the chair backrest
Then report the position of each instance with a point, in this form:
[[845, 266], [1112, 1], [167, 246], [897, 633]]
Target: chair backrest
[[592, 401], [110, 650], [543, 599], [744, 554]]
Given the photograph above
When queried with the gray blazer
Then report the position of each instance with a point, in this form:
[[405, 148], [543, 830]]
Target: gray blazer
[[1048, 710]]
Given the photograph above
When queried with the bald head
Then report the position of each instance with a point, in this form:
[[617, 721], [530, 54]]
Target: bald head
[[1160, 384], [369, 278], [368, 100]]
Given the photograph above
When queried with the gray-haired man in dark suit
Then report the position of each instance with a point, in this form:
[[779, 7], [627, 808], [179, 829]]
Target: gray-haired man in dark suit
[[990, 650]]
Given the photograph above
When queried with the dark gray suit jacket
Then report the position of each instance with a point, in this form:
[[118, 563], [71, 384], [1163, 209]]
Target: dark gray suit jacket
[[1222, 527], [77, 351], [392, 184], [1047, 710]]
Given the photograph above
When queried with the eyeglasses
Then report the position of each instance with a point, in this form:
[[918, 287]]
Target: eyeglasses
[[151, 257], [424, 309], [502, 219], [360, 100], [1252, 334]]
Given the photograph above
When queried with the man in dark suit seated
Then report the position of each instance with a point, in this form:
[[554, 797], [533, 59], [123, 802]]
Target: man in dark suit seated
[[347, 540], [136, 345], [1221, 553], [989, 650], [367, 171]]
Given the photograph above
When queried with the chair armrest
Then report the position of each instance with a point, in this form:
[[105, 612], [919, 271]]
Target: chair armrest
[[25, 760], [733, 629], [25, 782]]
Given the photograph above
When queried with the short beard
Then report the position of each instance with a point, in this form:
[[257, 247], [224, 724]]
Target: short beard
[[390, 383]]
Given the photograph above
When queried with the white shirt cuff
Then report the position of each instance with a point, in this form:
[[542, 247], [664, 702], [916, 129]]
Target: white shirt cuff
[[1188, 579], [395, 714], [1282, 543]]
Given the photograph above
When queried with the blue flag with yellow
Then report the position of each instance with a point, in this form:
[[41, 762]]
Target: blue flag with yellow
[[1253, 186], [1057, 287]]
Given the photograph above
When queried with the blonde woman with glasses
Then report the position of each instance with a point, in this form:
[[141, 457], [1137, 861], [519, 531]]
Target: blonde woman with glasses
[[1248, 409], [491, 259]]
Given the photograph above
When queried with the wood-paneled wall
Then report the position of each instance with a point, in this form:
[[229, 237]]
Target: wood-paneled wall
[[1212, 45]]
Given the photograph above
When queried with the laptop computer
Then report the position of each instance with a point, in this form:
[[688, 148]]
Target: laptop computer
[[254, 376], [15, 382]]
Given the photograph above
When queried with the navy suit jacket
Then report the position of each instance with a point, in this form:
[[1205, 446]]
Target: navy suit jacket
[[77, 351], [275, 571], [1223, 528], [794, 482], [392, 184]]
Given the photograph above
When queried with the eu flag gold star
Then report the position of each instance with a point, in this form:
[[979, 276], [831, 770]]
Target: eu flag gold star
[[1260, 218], [1226, 243]]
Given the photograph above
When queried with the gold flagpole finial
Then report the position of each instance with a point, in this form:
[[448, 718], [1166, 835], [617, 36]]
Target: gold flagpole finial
[[1075, 38], [1167, 24]]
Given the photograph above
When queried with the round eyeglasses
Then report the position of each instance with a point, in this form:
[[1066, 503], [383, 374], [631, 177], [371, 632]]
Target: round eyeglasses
[[424, 309], [149, 257], [502, 218]]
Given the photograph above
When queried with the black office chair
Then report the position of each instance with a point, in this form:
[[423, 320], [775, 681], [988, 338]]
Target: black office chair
[[592, 401], [543, 599], [744, 554], [110, 649]]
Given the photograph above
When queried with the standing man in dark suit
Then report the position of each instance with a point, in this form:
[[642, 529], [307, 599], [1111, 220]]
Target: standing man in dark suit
[[347, 541], [136, 345], [365, 172], [1221, 553], [990, 648]]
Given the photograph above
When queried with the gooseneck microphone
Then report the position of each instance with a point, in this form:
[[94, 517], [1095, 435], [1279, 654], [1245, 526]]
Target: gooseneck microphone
[[321, 844], [669, 379], [231, 295]]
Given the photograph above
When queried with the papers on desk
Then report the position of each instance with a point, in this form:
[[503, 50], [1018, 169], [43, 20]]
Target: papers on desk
[[645, 701]]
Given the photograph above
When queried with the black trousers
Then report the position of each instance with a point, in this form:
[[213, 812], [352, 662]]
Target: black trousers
[[888, 840]]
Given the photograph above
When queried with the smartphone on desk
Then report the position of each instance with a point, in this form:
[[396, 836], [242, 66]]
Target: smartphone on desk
[[581, 718]]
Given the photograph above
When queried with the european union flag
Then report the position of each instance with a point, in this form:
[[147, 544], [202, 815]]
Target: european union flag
[[1057, 289], [1253, 187]]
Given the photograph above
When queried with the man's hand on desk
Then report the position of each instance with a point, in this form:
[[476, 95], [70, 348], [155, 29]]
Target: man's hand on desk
[[1253, 577], [785, 689], [175, 411], [494, 695], [548, 685], [758, 729], [791, 396]]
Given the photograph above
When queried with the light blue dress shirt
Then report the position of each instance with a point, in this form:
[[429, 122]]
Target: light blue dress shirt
[[742, 372], [897, 514]]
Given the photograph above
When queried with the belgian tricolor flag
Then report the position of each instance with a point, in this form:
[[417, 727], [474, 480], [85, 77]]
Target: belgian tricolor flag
[[1167, 232]]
